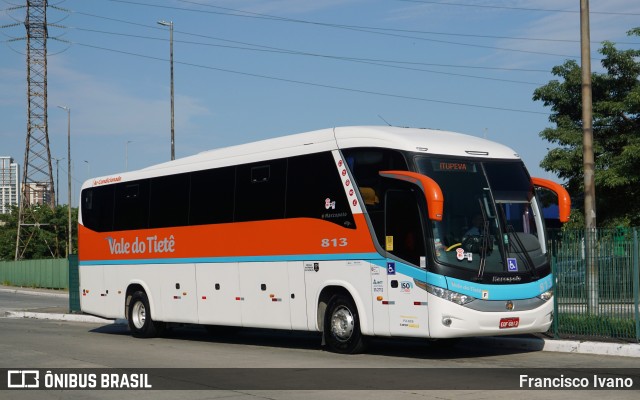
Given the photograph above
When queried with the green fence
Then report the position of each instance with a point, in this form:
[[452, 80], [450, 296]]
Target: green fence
[[596, 292], [49, 273]]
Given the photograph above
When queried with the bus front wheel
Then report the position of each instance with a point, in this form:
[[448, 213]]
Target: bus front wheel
[[342, 326], [139, 315]]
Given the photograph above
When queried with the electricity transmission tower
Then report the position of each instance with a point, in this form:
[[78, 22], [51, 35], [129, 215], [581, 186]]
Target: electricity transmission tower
[[37, 179]]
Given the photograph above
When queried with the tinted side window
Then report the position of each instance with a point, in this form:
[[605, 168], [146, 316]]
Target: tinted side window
[[314, 190], [97, 208], [260, 190], [132, 205], [169, 201], [365, 165], [212, 196]]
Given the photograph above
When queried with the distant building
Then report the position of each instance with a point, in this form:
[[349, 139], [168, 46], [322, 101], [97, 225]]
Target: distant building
[[9, 184], [37, 193]]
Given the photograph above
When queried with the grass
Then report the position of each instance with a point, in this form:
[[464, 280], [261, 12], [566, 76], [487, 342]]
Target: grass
[[596, 325]]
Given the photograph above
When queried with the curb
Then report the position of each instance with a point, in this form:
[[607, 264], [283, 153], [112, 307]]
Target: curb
[[35, 292], [564, 346], [63, 317]]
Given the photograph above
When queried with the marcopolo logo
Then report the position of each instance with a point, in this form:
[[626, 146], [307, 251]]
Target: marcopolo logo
[[149, 245]]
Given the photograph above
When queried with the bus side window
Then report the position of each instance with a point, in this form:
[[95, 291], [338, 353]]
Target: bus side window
[[97, 208], [260, 190], [131, 205], [315, 190], [211, 197], [169, 201]]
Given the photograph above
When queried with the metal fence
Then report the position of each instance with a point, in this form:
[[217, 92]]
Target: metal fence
[[49, 273], [596, 292]]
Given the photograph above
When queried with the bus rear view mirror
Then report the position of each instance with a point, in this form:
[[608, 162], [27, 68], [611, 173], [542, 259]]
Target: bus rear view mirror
[[564, 201], [431, 190]]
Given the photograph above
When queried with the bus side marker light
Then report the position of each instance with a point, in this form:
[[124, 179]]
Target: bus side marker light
[[387, 302], [420, 303], [276, 299], [177, 297], [379, 298], [204, 297], [240, 298]]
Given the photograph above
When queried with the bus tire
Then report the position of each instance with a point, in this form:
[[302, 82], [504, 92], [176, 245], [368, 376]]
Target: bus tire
[[140, 322], [342, 326]]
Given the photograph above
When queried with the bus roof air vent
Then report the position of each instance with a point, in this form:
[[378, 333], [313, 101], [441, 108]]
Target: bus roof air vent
[[477, 153]]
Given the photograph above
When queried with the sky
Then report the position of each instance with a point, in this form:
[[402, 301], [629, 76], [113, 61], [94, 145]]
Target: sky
[[248, 70]]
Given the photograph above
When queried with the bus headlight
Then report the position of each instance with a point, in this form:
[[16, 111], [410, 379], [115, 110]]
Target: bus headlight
[[454, 297], [546, 296]]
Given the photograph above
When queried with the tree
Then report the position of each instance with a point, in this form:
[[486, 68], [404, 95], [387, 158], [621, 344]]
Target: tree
[[616, 132], [49, 240]]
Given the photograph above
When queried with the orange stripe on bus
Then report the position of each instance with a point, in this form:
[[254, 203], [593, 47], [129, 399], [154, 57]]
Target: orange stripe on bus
[[260, 238]]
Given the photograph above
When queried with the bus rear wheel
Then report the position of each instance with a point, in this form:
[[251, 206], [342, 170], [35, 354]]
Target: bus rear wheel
[[342, 326], [139, 316]]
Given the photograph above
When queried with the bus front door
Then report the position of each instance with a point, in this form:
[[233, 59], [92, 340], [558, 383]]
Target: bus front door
[[406, 248]]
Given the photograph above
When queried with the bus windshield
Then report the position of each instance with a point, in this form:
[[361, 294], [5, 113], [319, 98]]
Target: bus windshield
[[492, 228]]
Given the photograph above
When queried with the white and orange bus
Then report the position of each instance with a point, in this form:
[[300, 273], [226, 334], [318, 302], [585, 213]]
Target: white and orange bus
[[353, 232]]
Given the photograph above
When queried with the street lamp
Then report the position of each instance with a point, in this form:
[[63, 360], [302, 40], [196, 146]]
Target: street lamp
[[88, 169], [170, 25], [126, 155], [68, 110]]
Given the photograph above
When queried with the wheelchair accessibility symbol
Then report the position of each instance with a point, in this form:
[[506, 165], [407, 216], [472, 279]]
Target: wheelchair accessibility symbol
[[391, 268], [512, 265]]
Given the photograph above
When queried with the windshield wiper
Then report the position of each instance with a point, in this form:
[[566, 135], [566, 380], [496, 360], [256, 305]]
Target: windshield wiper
[[484, 244], [528, 262]]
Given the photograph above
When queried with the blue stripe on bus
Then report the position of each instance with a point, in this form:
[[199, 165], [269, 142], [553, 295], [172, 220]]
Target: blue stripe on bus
[[413, 272], [509, 291]]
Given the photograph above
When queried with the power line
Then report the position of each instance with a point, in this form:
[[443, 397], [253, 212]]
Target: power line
[[305, 83], [380, 63], [247, 14], [514, 8], [265, 16], [277, 49]]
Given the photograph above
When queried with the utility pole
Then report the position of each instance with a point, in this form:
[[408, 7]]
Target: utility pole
[[70, 238], [170, 25], [588, 160]]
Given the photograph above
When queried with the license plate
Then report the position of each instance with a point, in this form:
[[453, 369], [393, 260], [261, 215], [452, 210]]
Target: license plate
[[506, 323]]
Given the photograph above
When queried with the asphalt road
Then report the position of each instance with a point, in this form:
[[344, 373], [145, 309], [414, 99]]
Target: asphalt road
[[31, 343], [10, 301]]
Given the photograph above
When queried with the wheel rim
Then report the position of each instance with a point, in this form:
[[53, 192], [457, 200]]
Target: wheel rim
[[139, 315], [342, 323]]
